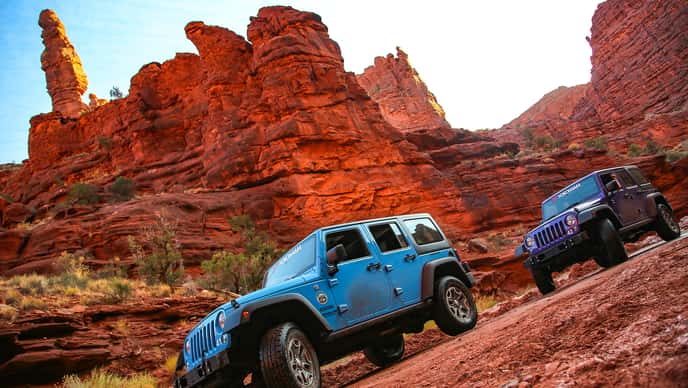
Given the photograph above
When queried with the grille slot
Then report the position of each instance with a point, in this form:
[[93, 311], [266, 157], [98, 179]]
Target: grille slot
[[550, 233], [203, 341]]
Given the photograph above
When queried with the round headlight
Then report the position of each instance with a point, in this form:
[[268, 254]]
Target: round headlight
[[570, 220], [187, 347], [530, 241], [221, 319]]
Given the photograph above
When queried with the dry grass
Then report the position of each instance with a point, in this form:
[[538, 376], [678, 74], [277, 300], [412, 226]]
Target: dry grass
[[7, 313], [100, 379], [484, 302]]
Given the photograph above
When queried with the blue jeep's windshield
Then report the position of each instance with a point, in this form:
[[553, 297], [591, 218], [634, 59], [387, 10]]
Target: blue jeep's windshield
[[572, 195], [296, 261]]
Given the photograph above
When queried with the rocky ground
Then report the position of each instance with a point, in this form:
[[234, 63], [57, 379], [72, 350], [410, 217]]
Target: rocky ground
[[626, 326]]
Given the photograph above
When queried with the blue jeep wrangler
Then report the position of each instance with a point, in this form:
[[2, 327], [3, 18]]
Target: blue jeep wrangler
[[594, 216], [344, 288]]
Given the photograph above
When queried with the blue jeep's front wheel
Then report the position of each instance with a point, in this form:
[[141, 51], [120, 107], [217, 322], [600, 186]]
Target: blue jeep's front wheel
[[454, 308], [287, 358]]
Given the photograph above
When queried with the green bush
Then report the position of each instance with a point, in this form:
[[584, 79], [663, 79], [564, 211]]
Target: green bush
[[634, 150], [123, 189], [105, 143], [672, 156], [84, 194], [528, 135], [156, 253], [652, 148], [7, 197], [597, 143], [241, 272]]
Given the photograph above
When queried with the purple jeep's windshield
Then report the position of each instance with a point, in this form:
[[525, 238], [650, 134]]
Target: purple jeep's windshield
[[572, 195]]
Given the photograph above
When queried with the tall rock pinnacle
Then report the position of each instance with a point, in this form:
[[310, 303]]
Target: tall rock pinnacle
[[404, 99], [64, 75]]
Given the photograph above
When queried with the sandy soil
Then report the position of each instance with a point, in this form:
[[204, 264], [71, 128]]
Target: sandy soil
[[626, 326]]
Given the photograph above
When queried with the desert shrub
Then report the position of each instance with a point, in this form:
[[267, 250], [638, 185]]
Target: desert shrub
[[528, 135], [101, 379], [672, 156], [32, 303], [7, 197], [72, 271], [485, 302], [634, 150], [123, 189], [115, 93], [84, 194], [11, 296], [156, 253], [546, 142], [574, 147], [31, 284], [241, 272], [652, 148], [597, 143], [104, 143], [7, 313], [113, 269]]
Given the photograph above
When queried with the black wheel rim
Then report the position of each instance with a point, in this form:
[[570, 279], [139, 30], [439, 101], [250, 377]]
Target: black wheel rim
[[300, 362], [669, 219]]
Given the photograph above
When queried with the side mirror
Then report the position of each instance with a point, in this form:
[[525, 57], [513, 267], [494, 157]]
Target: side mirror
[[519, 251], [612, 186], [336, 254]]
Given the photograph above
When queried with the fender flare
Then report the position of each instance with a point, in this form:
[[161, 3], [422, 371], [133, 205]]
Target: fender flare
[[592, 213], [651, 202], [251, 308], [454, 267]]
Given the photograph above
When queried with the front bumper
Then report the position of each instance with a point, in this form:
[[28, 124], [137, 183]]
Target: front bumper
[[571, 248], [205, 374]]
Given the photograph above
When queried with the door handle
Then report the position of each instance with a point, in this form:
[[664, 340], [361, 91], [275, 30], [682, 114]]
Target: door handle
[[409, 257], [373, 266]]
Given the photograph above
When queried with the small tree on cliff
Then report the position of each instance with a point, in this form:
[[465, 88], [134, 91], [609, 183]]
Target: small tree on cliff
[[241, 272], [156, 253], [115, 93]]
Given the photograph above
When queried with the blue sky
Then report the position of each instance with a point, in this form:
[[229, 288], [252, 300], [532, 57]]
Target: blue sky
[[485, 61]]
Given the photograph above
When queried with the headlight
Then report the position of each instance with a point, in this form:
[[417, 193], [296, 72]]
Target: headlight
[[221, 319], [530, 241], [571, 220], [187, 346]]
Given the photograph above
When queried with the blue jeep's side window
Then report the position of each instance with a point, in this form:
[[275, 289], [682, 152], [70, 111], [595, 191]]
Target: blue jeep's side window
[[351, 240], [293, 263], [423, 231], [388, 237]]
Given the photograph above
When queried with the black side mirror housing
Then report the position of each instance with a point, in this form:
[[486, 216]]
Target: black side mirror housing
[[612, 186], [336, 254]]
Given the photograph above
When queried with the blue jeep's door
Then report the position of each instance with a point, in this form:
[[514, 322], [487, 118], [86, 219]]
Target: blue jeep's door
[[399, 262], [360, 287]]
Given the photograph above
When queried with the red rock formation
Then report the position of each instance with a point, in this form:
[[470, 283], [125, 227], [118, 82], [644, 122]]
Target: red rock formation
[[404, 99], [639, 58], [276, 129], [638, 90], [63, 71]]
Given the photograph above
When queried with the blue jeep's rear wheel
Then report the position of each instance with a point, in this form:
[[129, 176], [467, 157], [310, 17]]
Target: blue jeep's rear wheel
[[454, 308], [387, 350]]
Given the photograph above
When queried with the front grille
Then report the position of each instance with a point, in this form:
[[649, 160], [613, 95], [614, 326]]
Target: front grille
[[550, 233], [203, 341]]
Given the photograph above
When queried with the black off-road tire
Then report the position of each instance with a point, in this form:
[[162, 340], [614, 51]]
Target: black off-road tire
[[609, 247], [454, 308], [287, 358], [543, 279], [386, 351], [666, 226]]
